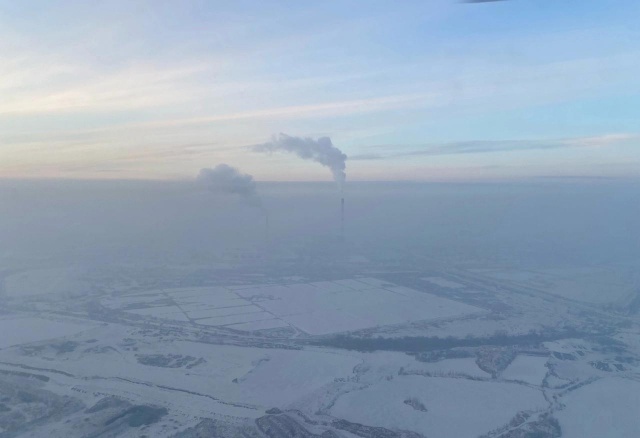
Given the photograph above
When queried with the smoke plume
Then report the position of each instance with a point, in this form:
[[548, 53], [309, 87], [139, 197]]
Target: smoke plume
[[321, 151], [226, 179]]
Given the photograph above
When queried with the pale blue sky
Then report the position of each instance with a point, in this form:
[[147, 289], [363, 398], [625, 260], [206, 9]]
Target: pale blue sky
[[424, 90]]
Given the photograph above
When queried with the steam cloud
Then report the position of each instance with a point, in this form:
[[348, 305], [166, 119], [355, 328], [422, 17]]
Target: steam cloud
[[226, 179], [321, 151]]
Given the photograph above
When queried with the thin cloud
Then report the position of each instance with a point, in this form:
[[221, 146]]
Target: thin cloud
[[481, 1], [482, 147], [363, 157], [328, 109]]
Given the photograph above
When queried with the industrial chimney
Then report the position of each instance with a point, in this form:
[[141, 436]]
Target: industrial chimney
[[266, 227], [342, 218]]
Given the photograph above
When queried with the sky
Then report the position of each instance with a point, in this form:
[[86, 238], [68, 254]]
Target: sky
[[424, 90]]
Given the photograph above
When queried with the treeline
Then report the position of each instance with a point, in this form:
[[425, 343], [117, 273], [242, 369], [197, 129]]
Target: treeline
[[416, 344]]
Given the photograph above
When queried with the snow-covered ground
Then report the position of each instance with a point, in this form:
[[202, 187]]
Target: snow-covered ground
[[443, 282], [454, 407], [529, 369], [259, 377], [46, 282], [330, 307], [217, 352], [316, 308], [596, 285], [608, 408], [16, 330]]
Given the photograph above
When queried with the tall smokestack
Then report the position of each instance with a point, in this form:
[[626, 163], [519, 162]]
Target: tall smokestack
[[320, 150], [342, 217], [266, 227]]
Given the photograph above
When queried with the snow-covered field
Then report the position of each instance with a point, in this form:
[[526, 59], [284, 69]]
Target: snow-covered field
[[231, 320], [608, 408], [596, 285], [315, 308], [21, 330], [196, 370], [529, 369], [454, 407], [261, 325], [330, 307], [256, 377], [443, 282], [596, 288], [282, 377], [46, 282]]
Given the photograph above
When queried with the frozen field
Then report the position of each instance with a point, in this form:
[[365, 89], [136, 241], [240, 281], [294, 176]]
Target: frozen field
[[54, 281], [530, 369], [315, 308], [599, 287], [607, 408], [329, 307], [22, 330], [596, 285], [443, 282], [210, 306], [254, 378], [283, 377], [483, 405]]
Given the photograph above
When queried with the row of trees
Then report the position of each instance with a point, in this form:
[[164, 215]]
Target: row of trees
[[416, 344]]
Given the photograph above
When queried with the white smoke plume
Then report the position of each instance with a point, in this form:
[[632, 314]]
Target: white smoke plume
[[321, 151], [226, 179], [229, 180]]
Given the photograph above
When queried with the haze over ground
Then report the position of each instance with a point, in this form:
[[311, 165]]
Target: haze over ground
[[538, 222]]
